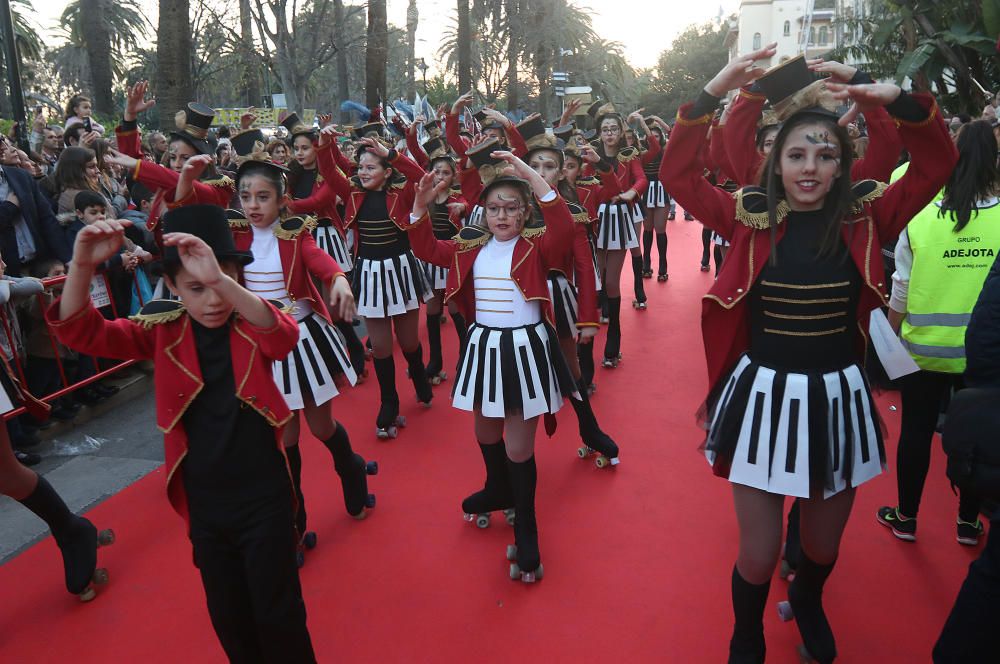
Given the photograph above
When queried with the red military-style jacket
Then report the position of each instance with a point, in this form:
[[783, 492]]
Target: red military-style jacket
[[322, 201], [533, 256], [881, 158], [399, 196], [167, 339], [301, 259], [627, 167], [652, 151], [577, 265], [593, 189], [163, 181], [879, 215]]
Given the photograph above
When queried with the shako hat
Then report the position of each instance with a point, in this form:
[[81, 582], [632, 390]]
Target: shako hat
[[192, 126], [435, 148], [259, 156], [564, 132], [488, 166], [244, 141], [791, 87], [208, 222], [295, 126]]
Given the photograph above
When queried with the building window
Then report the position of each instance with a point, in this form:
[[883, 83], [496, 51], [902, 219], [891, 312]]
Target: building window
[[823, 33], [812, 35], [756, 41], [788, 28]]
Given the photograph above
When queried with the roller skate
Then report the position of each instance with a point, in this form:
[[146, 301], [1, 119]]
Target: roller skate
[[525, 559], [418, 376], [434, 373], [595, 441], [661, 277], [640, 291], [79, 552], [612, 345], [389, 421], [805, 606], [611, 362], [496, 494], [647, 273], [306, 543], [354, 480]]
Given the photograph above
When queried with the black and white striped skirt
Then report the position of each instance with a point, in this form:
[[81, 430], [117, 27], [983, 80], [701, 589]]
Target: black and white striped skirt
[[385, 287], [476, 217], [564, 305], [719, 240], [794, 434], [597, 266], [656, 195], [8, 393], [318, 362], [616, 227], [510, 370], [329, 239], [437, 276]]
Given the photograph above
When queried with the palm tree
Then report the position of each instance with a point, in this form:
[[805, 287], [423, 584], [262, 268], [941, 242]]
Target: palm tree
[[107, 31], [29, 44], [464, 46], [173, 57], [376, 53]]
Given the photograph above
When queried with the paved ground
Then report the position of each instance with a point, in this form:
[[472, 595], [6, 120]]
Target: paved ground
[[87, 464]]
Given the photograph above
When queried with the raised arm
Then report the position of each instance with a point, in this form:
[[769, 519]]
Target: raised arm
[[326, 162], [451, 130], [425, 246], [884, 148], [414, 148]]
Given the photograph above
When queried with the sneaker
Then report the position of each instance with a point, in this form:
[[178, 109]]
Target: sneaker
[[902, 527], [968, 533], [28, 458]]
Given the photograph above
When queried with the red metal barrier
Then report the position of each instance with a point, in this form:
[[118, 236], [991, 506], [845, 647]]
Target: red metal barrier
[[101, 296]]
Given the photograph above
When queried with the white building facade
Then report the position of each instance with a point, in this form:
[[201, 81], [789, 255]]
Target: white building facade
[[796, 25]]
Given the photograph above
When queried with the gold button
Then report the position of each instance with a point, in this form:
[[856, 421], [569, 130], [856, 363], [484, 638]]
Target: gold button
[[880, 284], [730, 299], [739, 290]]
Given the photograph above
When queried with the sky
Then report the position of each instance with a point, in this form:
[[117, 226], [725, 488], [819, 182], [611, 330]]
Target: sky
[[644, 27]]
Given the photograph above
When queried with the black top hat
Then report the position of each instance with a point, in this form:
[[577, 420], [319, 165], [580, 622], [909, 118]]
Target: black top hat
[[792, 87], [480, 155], [480, 116], [590, 135], [244, 141], [534, 134], [208, 222], [433, 128], [564, 132], [192, 126], [592, 109], [435, 148], [369, 129], [295, 126]]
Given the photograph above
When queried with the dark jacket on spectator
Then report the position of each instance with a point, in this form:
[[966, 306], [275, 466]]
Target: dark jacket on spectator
[[37, 214], [982, 338]]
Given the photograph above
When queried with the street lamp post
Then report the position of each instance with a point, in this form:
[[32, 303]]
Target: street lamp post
[[422, 66], [13, 72]]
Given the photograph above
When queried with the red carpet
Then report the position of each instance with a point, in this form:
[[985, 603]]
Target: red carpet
[[637, 560]]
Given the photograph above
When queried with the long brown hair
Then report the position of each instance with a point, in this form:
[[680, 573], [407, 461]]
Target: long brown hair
[[839, 200], [71, 169]]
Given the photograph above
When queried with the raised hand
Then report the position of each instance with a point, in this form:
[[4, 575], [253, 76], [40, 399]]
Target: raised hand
[[196, 257], [342, 300], [98, 242], [461, 103], [866, 96], [587, 334], [248, 118], [136, 102], [38, 124], [589, 155], [739, 72], [89, 138], [119, 159], [636, 116], [838, 71], [325, 119], [375, 147], [425, 193], [496, 115]]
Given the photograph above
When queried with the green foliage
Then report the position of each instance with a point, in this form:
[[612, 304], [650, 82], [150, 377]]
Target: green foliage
[[696, 55]]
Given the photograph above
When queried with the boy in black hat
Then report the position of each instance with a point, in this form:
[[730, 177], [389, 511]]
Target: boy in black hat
[[227, 472]]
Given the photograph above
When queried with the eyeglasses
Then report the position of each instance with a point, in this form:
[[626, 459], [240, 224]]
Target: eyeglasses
[[611, 130], [506, 210]]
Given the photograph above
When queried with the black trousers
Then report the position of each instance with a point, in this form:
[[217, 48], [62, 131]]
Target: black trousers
[[923, 394], [246, 557], [970, 633]]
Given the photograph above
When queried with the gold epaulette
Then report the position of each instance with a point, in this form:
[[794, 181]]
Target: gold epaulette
[[471, 237], [751, 207], [580, 214], [157, 312], [221, 181], [589, 181], [320, 179], [398, 183], [866, 191], [236, 219], [292, 227], [534, 232], [626, 155]]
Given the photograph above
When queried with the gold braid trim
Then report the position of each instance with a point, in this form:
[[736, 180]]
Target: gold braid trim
[[581, 217], [290, 233], [533, 232], [875, 193], [320, 179], [627, 154], [684, 122], [465, 244], [223, 181], [148, 320], [239, 223], [588, 181], [758, 220]]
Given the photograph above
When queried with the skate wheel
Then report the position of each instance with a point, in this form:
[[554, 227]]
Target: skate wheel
[[515, 572], [106, 537], [393, 432], [309, 540], [511, 552], [300, 558], [360, 516], [540, 572], [100, 576], [87, 595], [436, 380], [443, 375], [381, 433], [468, 517], [528, 577], [482, 521], [509, 516], [425, 404], [400, 422], [583, 452], [602, 461], [785, 611], [371, 468], [370, 501]]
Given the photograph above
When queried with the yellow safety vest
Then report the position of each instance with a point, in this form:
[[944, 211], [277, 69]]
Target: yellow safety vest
[[949, 269]]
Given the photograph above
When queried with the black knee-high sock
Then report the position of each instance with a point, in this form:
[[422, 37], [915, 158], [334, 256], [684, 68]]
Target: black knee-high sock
[[602, 301], [295, 466], [585, 355], [793, 544], [647, 248], [75, 535], [434, 360], [661, 245], [461, 327], [418, 374], [523, 481], [50, 508], [355, 349], [805, 594], [339, 445], [613, 344], [717, 253], [749, 599], [706, 245], [640, 290], [385, 371]]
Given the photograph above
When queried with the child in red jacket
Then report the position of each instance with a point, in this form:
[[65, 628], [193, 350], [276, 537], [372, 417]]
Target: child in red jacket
[[222, 417]]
